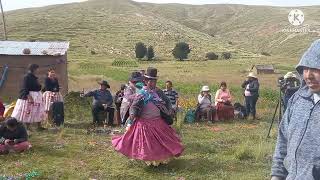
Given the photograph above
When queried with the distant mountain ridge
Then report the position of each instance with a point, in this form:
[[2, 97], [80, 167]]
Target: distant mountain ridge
[[111, 28]]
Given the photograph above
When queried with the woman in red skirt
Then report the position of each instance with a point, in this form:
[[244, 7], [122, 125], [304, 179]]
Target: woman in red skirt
[[224, 108], [149, 138]]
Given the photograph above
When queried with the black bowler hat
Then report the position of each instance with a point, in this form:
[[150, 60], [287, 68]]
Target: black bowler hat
[[136, 77], [151, 73]]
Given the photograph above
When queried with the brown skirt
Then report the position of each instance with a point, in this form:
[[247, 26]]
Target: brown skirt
[[224, 112]]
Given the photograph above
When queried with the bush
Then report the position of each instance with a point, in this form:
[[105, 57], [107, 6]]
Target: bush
[[150, 53], [212, 56], [93, 52], [229, 42], [76, 108], [226, 55], [140, 50], [265, 54], [181, 51]]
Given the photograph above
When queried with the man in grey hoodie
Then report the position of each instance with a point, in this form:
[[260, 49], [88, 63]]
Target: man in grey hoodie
[[297, 153]]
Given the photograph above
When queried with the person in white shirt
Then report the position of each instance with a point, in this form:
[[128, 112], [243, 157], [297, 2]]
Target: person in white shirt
[[205, 106]]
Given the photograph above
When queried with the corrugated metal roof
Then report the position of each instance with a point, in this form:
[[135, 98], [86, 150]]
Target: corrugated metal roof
[[36, 48]]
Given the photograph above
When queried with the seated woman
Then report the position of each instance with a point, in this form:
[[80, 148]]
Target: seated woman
[[224, 108], [13, 137], [205, 106]]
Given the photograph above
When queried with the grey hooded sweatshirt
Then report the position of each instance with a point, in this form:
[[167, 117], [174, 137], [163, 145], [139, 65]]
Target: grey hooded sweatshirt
[[297, 153]]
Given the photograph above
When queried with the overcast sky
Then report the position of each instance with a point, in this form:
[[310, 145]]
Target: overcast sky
[[19, 4], [247, 2]]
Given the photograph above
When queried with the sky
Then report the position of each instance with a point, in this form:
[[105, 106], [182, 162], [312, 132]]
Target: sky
[[19, 4], [247, 2]]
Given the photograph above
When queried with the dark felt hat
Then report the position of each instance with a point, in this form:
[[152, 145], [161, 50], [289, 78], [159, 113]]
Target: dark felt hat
[[12, 122], [151, 73], [105, 83], [136, 77]]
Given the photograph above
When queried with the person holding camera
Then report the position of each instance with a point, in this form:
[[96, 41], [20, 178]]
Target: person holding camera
[[13, 137], [289, 86]]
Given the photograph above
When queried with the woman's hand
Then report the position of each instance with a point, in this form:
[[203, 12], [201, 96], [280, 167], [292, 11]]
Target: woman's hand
[[8, 142], [130, 122]]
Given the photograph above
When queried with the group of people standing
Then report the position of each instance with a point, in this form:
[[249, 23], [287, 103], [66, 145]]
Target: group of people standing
[[32, 107]]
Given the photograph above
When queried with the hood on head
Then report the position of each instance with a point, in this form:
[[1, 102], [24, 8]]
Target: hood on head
[[311, 58]]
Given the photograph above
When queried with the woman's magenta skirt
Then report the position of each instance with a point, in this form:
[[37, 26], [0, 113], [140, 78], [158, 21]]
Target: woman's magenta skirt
[[149, 140]]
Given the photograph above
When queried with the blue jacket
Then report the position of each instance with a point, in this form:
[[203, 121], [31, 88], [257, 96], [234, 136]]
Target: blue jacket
[[297, 153], [100, 97]]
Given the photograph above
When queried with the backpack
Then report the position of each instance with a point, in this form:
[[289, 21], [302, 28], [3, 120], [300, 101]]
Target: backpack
[[190, 116], [57, 113], [242, 113]]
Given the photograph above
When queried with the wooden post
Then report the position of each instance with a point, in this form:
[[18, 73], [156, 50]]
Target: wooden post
[[4, 22]]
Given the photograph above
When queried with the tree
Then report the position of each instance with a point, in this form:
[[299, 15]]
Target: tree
[[150, 53], [141, 50], [212, 56], [181, 51], [226, 55]]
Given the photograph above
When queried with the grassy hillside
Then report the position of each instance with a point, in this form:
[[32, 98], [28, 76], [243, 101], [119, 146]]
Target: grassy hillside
[[111, 29], [255, 28]]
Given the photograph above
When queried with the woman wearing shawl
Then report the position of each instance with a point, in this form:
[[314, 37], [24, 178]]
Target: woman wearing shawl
[[149, 138]]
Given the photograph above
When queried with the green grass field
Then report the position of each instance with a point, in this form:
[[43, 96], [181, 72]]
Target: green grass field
[[234, 150], [225, 150], [102, 36]]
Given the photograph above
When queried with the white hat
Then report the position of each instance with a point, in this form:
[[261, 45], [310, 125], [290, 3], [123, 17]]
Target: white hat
[[252, 74], [205, 88], [290, 75]]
